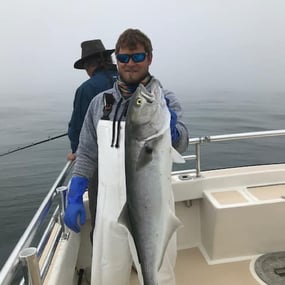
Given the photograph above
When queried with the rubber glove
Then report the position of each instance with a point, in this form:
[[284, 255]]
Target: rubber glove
[[75, 208], [173, 121]]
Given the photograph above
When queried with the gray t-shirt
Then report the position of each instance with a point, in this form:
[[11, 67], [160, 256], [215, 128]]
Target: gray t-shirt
[[87, 152]]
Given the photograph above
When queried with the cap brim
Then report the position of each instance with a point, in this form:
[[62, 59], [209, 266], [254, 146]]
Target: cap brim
[[79, 64]]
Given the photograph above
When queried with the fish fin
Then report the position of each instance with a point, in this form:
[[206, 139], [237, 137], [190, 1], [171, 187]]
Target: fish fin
[[145, 155], [176, 156], [124, 219], [173, 225]]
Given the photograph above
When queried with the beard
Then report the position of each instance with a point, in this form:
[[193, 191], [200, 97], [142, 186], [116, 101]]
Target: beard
[[128, 79]]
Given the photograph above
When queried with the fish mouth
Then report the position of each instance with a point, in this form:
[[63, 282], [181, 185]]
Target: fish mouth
[[147, 96]]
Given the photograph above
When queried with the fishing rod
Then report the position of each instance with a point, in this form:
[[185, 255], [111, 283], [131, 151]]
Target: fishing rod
[[33, 144]]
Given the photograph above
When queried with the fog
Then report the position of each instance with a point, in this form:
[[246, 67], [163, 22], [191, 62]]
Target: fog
[[199, 45]]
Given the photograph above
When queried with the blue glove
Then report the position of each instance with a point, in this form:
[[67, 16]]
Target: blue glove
[[173, 121], [75, 208]]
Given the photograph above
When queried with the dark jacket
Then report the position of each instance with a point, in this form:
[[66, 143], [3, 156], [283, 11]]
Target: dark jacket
[[100, 81]]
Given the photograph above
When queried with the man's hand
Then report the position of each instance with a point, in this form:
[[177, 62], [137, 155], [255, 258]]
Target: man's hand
[[71, 156], [173, 121], [75, 211]]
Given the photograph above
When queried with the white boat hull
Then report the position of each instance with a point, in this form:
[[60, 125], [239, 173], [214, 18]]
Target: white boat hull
[[228, 218]]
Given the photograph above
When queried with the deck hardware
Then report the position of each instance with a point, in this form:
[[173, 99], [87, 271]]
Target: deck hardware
[[280, 271], [65, 235], [30, 262], [184, 177], [188, 203], [62, 190]]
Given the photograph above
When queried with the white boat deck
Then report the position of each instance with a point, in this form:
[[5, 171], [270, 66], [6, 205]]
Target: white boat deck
[[236, 217], [192, 269]]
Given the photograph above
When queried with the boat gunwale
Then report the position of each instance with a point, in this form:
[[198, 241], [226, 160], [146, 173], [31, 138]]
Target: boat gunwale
[[9, 268]]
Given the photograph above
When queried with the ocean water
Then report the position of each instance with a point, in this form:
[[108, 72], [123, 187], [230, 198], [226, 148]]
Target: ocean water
[[27, 175]]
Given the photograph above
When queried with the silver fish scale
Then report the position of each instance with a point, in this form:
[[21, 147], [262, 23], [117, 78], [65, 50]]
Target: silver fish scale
[[148, 212]]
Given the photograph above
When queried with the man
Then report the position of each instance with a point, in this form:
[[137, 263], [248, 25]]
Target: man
[[97, 62], [112, 255]]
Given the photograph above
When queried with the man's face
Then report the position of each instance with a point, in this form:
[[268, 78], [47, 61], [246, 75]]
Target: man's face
[[133, 72]]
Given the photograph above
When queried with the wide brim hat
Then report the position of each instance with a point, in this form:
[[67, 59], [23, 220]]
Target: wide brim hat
[[89, 49]]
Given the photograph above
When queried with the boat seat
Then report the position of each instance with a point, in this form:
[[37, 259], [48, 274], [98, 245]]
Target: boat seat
[[243, 221]]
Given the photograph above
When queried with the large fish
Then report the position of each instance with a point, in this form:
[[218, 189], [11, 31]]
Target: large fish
[[148, 213]]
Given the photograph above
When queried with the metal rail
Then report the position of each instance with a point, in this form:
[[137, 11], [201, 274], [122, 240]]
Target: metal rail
[[237, 136], [9, 269], [229, 137]]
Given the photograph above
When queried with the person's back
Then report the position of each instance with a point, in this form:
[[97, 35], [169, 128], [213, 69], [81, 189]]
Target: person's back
[[97, 62]]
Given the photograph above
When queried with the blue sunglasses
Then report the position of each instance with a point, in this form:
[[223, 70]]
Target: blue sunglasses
[[136, 57]]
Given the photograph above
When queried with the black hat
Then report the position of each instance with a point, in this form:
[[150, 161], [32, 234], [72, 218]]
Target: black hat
[[90, 48]]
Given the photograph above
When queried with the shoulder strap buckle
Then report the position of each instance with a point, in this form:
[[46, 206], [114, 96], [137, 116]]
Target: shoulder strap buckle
[[108, 104]]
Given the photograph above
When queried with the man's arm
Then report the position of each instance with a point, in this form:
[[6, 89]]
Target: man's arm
[[181, 140]]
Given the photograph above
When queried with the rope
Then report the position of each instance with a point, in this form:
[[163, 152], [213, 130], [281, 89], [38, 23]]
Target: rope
[[33, 144]]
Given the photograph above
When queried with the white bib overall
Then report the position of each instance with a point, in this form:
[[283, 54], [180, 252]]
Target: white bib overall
[[113, 247]]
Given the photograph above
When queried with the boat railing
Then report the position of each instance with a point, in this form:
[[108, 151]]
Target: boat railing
[[10, 269], [21, 257], [197, 142]]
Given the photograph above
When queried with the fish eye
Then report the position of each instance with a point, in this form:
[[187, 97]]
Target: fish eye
[[139, 101]]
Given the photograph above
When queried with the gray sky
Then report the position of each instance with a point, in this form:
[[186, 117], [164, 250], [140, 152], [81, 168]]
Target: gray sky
[[198, 44]]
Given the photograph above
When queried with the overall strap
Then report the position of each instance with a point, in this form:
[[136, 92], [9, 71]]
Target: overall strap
[[108, 104]]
